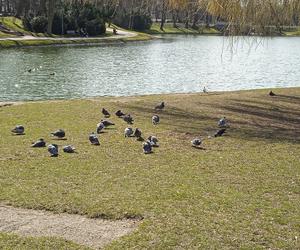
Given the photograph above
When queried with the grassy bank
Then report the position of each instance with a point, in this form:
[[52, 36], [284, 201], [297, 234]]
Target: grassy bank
[[241, 192]]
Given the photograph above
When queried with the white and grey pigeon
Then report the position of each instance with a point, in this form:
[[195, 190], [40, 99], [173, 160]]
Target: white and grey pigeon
[[53, 150], [59, 133], [153, 141], [222, 122], [107, 123], [147, 148], [155, 119], [100, 127], [94, 139], [40, 143], [18, 130], [196, 142], [128, 132], [69, 149]]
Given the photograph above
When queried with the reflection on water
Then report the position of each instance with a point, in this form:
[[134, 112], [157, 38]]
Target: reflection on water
[[176, 64]]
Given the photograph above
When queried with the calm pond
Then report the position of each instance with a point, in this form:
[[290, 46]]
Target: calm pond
[[171, 65]]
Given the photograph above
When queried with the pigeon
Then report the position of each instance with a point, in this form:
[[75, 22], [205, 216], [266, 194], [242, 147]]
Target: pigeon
[[107, 123], [119, 113], [100, 127], [40, 143], [53, 150], [138, 133], [205, 90], [220, 132], [128, 119], [155, 119], [160, 106], [147, 148], [105, 113], [69, 149], [59, 134], [222, 122], [18, 130], [153, 141], [196, 142], [128, 132], [94, 139], [272, 93]]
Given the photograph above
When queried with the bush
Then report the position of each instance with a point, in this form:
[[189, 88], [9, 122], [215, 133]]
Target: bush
[[26, 20], [142, 22], [39, 24], [95, 27]]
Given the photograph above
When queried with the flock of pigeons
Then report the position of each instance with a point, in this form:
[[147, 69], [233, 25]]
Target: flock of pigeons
[[147, 146]]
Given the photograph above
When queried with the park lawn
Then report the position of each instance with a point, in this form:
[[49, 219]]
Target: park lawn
[[294, 32], [240, 192]]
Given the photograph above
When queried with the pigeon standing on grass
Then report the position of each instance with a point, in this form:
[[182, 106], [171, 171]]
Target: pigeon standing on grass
[[196, 143], [100, 127], [155, 119], [107, 123], [160, 106], [153, 141], [128, 119], [119, 113], [220, 132], [147, 148], [222, 122], [105, 113], [94, 139], [128, 132], [272, 93], [60, 134], [205, 91], [138, 134], [53, 150], [69, 149], [39, 144], [18, 130]]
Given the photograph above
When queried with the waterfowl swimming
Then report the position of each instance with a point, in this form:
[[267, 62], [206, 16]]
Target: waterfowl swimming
[[105, 113], [272, 93], [128, 132], [222, 122], [196, 142], [52, 74], [160, 106], [128, 119], [100, 127], [39, 144], [138, 133], [220, 132], [18, 130], [107, 123], [153, 141], [119, 113], [53, 150], [147, 148], [155, 119], [59, 133], [94, 139], [29, 71], [69, 149]]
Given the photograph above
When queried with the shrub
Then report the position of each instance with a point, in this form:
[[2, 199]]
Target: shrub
[[142, 22], [39, 24], [26, 20], [95, 27]]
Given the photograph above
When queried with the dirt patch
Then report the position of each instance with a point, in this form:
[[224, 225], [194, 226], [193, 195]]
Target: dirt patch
[[94, 233]]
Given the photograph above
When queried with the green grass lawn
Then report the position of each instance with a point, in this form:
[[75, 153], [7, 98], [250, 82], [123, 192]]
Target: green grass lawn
[[241, 192]]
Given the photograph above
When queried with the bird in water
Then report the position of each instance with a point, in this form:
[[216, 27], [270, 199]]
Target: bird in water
[[128, 119], [119, 113], [205, 90], [220, 132], [40, 143], [160, 106], [128, 132], [153, 141], [19, 130], [52, 74], [100, 127], [155, 119], [105, 113], [222, 122], [147, 148], [196, 143], [272, 93], [94, 139], [69, 149], [60, 134], [53, 150], [107, 123], [29, 71], [138, 134]]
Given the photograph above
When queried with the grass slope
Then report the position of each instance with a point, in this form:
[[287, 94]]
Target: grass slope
[[241, 192]]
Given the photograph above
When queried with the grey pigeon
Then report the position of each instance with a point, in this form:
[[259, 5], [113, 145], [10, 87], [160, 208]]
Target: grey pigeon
[[155, 119], [138, 133], [160, 106], [94, 139], [153, 141], [196, 142], [18, 130], [272, 93], [105, 113], [119, 113], [147, 148], [128, 132], [107, 123], [69, 149], [128, 119], [220, 132], [39, 144], [100, 127], [53, 150], [59, 133], [222, 122]]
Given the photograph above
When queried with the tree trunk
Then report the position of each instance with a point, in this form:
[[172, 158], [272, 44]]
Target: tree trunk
[[163, 15], [51, 9], [174, 19]]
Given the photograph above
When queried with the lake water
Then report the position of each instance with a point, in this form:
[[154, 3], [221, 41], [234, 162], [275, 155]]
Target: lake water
[[174, 64]]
